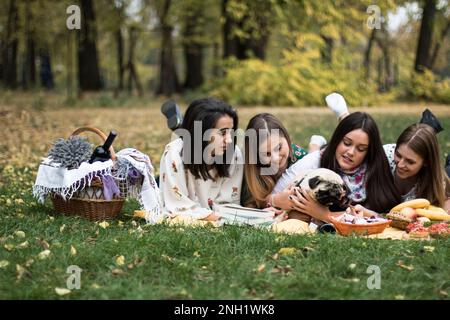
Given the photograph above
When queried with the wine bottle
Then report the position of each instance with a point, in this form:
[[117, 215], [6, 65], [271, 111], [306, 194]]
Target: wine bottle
[[102, 153]]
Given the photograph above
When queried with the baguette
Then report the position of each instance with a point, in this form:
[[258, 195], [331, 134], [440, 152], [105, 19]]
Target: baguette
[[433, 215], [416, 203], [436, 209]]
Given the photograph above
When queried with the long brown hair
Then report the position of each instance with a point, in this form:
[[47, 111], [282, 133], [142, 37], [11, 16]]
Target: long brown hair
[[380, 189], [432, 181], [260, 186]]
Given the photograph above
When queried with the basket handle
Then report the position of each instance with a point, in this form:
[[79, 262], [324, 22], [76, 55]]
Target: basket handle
[[99, 133]]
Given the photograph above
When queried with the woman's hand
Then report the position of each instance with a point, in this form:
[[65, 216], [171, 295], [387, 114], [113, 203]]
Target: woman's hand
[[281, 200], [361, 211], [212, 217], [305, 204], [279, 215]]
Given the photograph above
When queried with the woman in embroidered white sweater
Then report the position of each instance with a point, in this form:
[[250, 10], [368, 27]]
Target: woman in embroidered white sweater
[[203, 166]]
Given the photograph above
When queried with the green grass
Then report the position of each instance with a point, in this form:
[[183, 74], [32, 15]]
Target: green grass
[[168, 262]]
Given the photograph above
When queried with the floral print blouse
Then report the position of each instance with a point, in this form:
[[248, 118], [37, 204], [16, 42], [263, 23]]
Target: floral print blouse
[[183, 194]]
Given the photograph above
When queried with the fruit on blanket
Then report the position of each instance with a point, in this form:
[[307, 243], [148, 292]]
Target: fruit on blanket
[[409, 212], [416, 203], [433, 215], [436, 209]]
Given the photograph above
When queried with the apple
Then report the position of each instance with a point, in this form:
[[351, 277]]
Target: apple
[[409, 213]]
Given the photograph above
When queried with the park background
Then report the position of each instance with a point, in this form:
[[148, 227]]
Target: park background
[[389, 58]]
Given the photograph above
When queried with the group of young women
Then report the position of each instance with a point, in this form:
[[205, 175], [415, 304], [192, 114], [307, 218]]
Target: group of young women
[[378, 177]]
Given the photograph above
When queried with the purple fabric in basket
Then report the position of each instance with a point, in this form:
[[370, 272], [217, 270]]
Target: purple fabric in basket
[[134, 175], [110, 188]]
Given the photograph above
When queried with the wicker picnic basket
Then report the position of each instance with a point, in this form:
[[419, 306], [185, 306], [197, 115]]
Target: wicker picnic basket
[[90, 202]]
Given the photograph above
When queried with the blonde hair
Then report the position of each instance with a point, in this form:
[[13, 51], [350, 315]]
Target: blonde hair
[[260, 186], [433, 183]]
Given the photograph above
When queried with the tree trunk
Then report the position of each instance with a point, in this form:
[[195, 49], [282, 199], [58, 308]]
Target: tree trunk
[[29, 69], [120, 65], [132, 73], [46, 73], [243, 48], [368, 52], [438, 45], [11, 47], [216, 58], [327, 51], [425, 37], [193, 50], [88, 66], [168, 78], [194, 66], [258, 46], [229, 41]]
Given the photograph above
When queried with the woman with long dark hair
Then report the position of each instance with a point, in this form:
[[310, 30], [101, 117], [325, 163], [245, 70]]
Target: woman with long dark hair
[[354, 152], [203, 166]]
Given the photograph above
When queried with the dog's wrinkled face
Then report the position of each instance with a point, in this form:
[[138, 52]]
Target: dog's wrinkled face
[[328, 192]]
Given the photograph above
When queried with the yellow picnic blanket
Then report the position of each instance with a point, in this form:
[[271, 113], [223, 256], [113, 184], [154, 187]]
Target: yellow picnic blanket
[[295, 226]]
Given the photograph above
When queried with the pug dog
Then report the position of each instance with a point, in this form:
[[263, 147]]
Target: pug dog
[[324, 186]]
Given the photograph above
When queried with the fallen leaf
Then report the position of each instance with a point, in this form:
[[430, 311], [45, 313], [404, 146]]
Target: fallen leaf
[[130, 266], [120, 223], [4, 264], [428, 248], [196, 254], [20, 271], [23, 245], [104, 224], [351, 280], [95, 286], [9, 247], [61, 229], [139, 214], [73, 251], [404, 266], [44, 254], [116, 272], [261, 267], [281, 269], [399, 297], [134, 223], [352, 266], [120, 260], [275, 256], [29, 263], [44, 244], [443, 293], [19, 234], [287, 250], [62, 291]]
